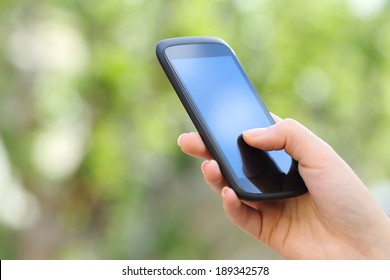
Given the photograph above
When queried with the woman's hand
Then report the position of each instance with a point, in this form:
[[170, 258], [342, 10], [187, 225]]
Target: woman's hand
[[337, 219]]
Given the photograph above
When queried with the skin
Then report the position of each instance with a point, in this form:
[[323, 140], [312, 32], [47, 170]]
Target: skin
[[337, 219]]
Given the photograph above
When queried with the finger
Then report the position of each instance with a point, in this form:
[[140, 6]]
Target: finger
[[213, 176], [298, 141], [192, 144], [240, 214]]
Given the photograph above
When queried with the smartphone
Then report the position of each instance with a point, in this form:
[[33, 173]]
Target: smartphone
[[222, 103]]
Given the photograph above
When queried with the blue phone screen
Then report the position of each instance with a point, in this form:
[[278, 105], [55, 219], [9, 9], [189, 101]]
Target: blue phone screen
[[229, 105]]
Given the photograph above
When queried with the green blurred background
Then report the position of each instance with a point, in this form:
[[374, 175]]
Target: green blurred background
[[89, 166]]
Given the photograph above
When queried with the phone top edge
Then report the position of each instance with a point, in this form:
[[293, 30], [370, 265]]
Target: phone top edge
[[163, 44]]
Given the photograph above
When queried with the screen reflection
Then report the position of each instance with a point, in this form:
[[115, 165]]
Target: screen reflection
[[263, 172]]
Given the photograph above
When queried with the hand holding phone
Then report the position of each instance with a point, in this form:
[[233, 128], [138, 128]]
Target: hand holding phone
[[222, 103]]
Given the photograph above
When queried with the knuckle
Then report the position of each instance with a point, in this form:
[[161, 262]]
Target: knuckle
[[289, 125], [290, 122]]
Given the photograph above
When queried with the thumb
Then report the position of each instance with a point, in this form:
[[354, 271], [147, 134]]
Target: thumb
[[299, 142]]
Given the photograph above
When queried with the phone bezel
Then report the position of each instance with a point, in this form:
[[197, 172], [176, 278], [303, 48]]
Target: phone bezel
[[192, 47]]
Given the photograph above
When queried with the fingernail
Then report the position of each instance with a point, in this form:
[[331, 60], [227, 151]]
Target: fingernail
[[203, 166], [224, 191], [254, 132], [178, 139]]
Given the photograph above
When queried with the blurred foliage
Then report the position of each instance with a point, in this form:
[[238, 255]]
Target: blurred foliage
[[89, 166]]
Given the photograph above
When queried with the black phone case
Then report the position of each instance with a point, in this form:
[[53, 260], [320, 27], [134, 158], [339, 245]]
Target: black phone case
[[181, 93]]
